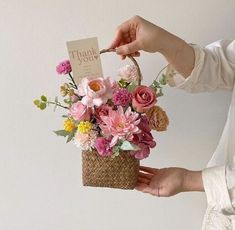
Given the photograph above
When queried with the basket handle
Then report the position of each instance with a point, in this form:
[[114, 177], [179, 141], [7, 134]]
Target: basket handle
[[139, 77]]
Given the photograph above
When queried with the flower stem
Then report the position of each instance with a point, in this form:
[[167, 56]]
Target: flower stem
[[74, 84], [58, 104]]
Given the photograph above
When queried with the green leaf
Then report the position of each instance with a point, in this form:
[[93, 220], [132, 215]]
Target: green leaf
[[70, 137], [156, 85], [65, 116], [122, 83], [43, 98], [37, 102], [61, 133], [116, 151], [126, 145], [42, 105], [163, 81], [160, 93], [67, 101], [131, 87]]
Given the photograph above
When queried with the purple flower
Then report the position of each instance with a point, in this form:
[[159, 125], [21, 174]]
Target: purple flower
[[142, 153], [144, 139], [64, 67], [122, 97], [102, 146]]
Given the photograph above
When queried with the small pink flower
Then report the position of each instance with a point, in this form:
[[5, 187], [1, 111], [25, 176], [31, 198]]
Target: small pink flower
[[86, 141], [80, 112], [102, 146], [95, 92], [64, 67], [120, 124], [128, 73], [144, 98], [122, 96]]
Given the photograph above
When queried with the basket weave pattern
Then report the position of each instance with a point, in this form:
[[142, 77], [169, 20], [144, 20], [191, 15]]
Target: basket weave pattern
[[118, 172]]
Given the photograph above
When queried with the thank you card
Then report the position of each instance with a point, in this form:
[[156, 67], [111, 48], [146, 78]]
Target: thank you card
[[85, 58]]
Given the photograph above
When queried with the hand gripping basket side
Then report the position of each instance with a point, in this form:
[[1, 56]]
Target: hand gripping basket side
[[113, 172]]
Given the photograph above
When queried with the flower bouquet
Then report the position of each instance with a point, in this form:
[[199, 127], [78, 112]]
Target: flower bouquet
[[111, 121]]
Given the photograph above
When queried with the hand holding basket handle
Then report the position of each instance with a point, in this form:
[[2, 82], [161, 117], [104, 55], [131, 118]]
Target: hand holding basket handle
[[139, 34]]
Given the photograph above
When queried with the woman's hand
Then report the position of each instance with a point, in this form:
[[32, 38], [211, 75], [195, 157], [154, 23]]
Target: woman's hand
[[168, 181], [138, 34]]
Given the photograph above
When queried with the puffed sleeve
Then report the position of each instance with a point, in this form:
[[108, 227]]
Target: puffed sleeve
[[214, 69]]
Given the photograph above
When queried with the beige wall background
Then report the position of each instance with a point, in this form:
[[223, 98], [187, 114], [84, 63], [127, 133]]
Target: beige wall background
[[40, 176]]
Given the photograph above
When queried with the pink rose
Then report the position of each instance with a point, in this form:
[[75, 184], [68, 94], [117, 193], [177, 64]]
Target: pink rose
[[102, 146], [64, 67], [80, 112], [102, 110], [143, 98], [95, 92]]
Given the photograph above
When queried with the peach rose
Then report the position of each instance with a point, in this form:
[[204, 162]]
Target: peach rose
[[144, 98], [158, 119], [95, 92]]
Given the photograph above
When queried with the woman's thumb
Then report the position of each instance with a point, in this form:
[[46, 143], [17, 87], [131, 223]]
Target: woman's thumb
[[128, 48]]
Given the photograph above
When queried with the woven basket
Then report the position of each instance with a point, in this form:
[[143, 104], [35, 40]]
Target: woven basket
[[118, 172], [113, 172]]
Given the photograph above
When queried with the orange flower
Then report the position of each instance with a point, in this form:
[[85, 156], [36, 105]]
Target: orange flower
[[158, 119]]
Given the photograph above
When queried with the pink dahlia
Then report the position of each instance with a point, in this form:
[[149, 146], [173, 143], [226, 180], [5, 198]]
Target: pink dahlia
[[95, 92], [122, 96], [64, 67], [120, 124]]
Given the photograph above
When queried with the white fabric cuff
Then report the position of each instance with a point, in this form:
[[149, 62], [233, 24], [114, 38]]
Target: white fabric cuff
[[214, 181], [188, 83]]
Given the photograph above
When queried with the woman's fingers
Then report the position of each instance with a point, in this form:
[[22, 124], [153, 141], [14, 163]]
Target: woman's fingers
[[146, 175], [148, 169], [142, 187], [143, 180]]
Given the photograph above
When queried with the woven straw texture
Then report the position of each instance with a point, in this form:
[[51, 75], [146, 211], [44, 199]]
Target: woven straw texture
[[118, 172]]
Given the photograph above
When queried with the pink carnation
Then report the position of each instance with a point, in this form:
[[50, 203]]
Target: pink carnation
[[64, 67], [122, 97], [102, 146]]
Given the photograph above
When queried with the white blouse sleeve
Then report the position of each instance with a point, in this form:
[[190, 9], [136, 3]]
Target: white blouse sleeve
[[214, 69]]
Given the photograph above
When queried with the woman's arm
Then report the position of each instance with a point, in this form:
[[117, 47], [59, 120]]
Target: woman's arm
[[138, 34]]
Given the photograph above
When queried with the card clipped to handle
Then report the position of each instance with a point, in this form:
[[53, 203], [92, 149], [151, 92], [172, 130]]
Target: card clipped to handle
[[85, 58]]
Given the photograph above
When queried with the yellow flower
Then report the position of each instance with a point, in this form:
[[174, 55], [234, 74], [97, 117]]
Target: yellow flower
[[69, 125], [84, 127]]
